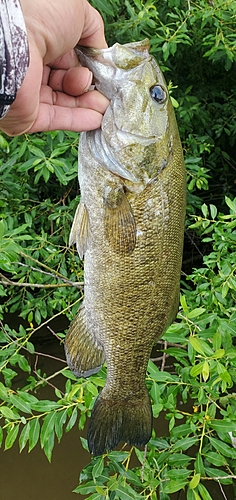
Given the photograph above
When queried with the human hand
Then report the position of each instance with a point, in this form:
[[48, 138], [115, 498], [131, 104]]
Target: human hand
[[54, 92]]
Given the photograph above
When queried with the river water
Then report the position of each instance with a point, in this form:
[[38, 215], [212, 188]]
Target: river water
[[29, 476]]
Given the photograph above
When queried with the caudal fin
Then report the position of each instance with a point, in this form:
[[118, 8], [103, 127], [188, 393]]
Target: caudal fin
[[115, 420]]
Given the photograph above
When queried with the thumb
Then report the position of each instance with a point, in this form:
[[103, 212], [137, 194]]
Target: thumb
[[93, 31]]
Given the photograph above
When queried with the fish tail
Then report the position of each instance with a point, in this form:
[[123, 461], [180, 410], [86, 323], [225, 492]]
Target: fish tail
[[114, 420]]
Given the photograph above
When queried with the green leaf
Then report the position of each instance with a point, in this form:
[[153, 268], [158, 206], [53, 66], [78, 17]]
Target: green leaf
[[98, 468], [200, 346], [215, 458], [195, 313], [36, 151], [20, 403], [199, 467], [205, 371], [224, 425], [223, 448], [8, 413], [44, 405], [24, 436], [204, 492], [197, 369], [72, 420], [205, 210], [214, 472], [213, 211], [85, 489], [120, 456], [179, 459], [3, 392], [33, 433], [95, 496], [101, 490], [194, 481], [92, 388], [219, 353], [59, 422], [185, 444], [11, 437], [231, 204], [127, 493], [48, 446], [173, 486], [68, 374], [47, 428]]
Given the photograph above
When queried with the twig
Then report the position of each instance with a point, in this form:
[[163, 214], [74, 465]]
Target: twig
[[217, 478], [7, 281], [222, 491], [54, 333], [49, 356], [66, 280], [172, 344], [159, 358], [144, 460], [164, 357], [56, 273], [37, 285], [41, 378]]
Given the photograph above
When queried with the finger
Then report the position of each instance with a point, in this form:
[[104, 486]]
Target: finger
[[93, 31], [63, 118], [69, 60], [90, 100], [74, 81]]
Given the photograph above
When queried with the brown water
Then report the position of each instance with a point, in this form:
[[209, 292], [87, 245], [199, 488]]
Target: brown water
[[29, 476]]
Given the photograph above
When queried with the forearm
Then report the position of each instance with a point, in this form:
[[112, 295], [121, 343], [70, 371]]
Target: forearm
[[14, 52]]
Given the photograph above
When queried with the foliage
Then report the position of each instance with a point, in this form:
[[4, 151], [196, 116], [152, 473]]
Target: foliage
[[41, 277]]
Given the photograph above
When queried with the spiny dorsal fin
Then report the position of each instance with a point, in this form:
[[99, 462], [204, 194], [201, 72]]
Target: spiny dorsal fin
[[120, 227], [80, 229], [84, 354]]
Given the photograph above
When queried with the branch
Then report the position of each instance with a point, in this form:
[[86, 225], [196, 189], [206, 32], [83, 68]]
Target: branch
[[53, 275], [7, 281]]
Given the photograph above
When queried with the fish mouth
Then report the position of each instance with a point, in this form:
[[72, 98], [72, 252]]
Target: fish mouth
[[118, 56], [141, 46]]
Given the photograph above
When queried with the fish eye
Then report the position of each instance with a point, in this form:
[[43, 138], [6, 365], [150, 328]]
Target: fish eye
[[158, 94]]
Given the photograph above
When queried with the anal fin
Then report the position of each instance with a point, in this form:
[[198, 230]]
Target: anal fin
[[84, 354], [80, 229]]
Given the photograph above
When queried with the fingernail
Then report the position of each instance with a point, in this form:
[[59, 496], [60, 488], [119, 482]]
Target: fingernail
[[90, 78]]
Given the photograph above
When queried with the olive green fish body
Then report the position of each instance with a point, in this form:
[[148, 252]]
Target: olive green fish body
[[129, 226]]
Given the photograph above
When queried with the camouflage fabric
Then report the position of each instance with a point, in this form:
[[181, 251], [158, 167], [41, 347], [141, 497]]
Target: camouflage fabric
[[14, 52]]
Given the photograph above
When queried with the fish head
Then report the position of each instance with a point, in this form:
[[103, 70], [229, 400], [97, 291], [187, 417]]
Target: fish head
[[137, 127]]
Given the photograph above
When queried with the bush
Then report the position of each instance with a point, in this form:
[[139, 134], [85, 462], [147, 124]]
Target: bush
[[41, 277]]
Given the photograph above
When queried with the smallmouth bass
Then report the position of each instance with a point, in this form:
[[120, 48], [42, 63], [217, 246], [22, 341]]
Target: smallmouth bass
[[129, 227]]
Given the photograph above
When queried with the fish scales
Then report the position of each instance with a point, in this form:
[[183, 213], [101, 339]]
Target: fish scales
[[129, 227]]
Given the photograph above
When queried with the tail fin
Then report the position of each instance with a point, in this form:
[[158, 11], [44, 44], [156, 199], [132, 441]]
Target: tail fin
[[115, 420], [84, 354]]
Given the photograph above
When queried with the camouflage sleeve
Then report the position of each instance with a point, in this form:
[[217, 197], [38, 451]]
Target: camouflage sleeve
[[14, 52]]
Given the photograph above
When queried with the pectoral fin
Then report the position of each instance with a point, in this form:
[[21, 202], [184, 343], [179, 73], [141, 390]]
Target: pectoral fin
[[80, 229], [84, 354], [120, 227]]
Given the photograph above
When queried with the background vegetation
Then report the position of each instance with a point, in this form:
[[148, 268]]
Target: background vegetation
[[195, 45]]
